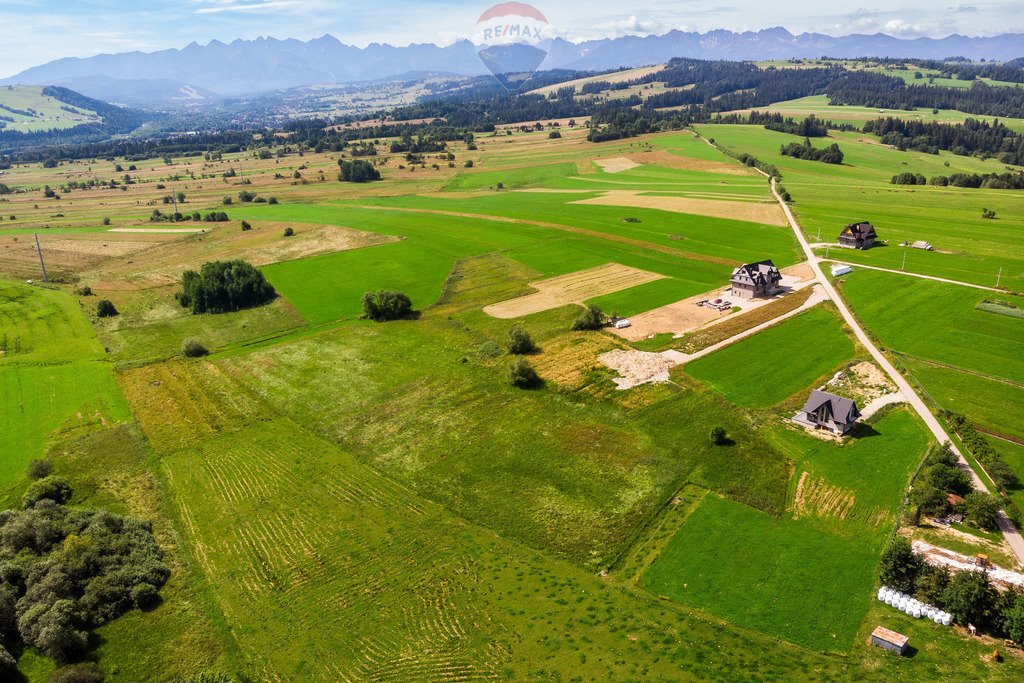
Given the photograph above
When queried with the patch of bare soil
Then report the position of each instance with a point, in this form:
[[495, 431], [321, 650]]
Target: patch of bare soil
[[942, 557], [637, 367], [669, 160], [567, 360], [767, 213], [679, 317], [616, 164], [571, 289]]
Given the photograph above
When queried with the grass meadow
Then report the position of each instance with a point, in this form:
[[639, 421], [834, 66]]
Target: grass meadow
[[764, 369]]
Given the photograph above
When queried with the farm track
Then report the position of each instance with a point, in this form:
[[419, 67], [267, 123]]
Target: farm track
[[572, 229], [918, 275]]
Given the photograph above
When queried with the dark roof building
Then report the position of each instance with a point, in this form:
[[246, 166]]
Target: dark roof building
[[828, 411], [755, 279], [858, 235]]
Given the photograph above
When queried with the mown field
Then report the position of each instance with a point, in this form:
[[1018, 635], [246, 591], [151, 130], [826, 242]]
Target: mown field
[[346, 500], [762, 370]]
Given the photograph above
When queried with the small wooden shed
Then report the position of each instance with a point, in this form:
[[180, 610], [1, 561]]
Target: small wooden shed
[[889, 640]]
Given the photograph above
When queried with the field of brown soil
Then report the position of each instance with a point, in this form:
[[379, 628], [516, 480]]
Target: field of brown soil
[[669, 160], [616, 164], [768, 213], [571, 289]]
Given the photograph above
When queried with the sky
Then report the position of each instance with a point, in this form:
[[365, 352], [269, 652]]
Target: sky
[[34, 32]]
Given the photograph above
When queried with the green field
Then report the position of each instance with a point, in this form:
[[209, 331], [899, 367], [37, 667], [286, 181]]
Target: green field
[[48, 113], [762, 370], [806, 576], [828, 196], [41, 324]]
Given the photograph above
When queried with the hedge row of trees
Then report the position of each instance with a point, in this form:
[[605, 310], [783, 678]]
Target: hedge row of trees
[[829, 155], [979, 446], [968, 595], [994, 181], [943, 475], [65, 571]]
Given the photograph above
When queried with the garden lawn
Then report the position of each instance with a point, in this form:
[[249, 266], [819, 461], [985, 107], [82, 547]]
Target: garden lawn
[[766, 368]]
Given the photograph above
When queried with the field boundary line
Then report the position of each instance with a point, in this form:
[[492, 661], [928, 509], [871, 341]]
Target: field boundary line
[[918, 275], [572, 229], [956, 368]]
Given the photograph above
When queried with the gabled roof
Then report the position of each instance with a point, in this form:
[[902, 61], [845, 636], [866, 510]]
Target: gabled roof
[[762, 272], [897, 639], [842, 409], [861, 230]]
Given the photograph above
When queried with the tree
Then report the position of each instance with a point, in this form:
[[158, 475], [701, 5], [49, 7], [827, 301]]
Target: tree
[[223, 286], [385, 305], [554, 135], [522, 375], [357, 171], [988, 213], [970, 597], [40, 468], [289, 232], [931, 584], [193, 348], [900, 566], [246, 226], [106, 220], [718, 436], [519, 341], [1013, 619], [981, 510], [949, 479], [592, 318]]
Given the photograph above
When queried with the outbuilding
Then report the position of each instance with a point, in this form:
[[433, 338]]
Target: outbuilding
[[921, 244], [889, 640]]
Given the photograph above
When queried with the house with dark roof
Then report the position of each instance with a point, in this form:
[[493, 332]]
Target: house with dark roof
[[755, 279], [858, 236], [828, 411]]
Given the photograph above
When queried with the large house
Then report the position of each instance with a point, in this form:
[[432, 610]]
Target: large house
[[828, 411], [755, 279], [858, 236]]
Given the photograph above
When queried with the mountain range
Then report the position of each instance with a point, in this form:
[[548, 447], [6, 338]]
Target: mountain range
[[200, 73]]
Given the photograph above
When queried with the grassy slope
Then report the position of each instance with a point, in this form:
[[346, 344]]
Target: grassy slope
[[764, 369], [48, 112]]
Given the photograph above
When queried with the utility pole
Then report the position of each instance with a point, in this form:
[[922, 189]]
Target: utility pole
[[819, 234], [904, 266], [826, 250], [999, 276], [39, 250]]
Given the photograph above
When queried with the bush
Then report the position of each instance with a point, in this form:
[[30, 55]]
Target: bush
[[86, 672], [469, 163], [49, 487], [900, 566], [7, 662], [519, 341], [272, 200], [522, 375], [246, 226], [40, 468], [223, 286], [490, 349], [105, 308], [288, 232], [554, 135], [106, 220], [386, 305], [85, 290], [193, 348], [718, 436], [246, 196], [592, 318], [145, 596]]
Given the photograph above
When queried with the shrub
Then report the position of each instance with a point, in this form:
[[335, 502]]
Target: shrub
[[86, 672], [7, 662], [519, 341], [1013, 619], [193, 348], [106, 220], [490, 349], [522, 375], [40, 468], [85, 290], [469, 163], [246, 195], [246, 226], [49, 487], [223, 286], [386, 305], [900, 566], [554, 135], [592, 318], [718, 436], [145, 596], [272, 200], [228, 201], [105, 308], [288, 232]]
